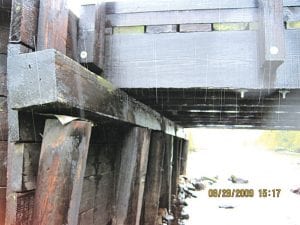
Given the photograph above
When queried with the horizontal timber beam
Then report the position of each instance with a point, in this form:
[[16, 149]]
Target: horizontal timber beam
[[149, 6], [48, 81]]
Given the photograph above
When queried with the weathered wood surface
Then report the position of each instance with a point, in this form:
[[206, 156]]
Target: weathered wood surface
[[71, 87], [153, 179], [166, 186], [2, 205], [71, 43], [3, 164], [196, 27], [4, 34], [168, 5], [271, 39], [91, 36], [3, 77], [23, 28], [60, 174], [183, 17], [197, 59], [53, 25], [132, 176], [156, 29], [176, 164], [19, 208], [23, 166], [5, 4], [195, 16], [184, 157], [3, 119]]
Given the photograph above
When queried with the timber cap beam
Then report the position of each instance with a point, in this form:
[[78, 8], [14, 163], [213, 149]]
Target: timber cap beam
[[49, 82]]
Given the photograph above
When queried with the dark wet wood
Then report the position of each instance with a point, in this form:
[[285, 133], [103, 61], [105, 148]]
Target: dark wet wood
[[3, 164], [19, 208], [2, 204], [153, 179], [166, 186], [132, 176], [53, 25], [61, 170], [3, 119], [184, 157], [23, 28]]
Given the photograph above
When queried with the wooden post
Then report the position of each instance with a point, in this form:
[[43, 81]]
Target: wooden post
[[132, 175], [23, 28], [271, 39], [92, 36], [184, 155], [153, 179], [53, 25], [165, 196], [176, 164], [60, 175]]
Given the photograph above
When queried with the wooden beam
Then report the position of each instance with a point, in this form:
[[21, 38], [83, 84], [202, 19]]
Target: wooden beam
[[3, 86], [2, 205], [53, 25], [3, 164], [271, 42], [169, 5], [184, 157], [189, 60], [166, 186], [132, 176], [73, 89], [153, 179], [19, 208], [61, 170], [183, 17], [92, 36], [3, 119], [23, 28]]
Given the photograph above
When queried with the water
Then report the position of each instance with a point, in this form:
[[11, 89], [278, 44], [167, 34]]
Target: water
[[263, 169]]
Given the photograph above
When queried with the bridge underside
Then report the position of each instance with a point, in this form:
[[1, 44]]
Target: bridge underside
[[224, 108]]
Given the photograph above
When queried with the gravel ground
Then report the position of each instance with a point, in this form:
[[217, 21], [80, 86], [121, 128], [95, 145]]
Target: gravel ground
[[263, 169]]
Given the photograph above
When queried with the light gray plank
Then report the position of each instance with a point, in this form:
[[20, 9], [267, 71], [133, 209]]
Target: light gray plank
[[200, 59], [168, 5], [181, 17]]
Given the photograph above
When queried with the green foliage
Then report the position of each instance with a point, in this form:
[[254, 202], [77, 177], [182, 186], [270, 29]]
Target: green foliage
[[281, 140]]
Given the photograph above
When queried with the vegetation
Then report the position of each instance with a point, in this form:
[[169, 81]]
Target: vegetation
[[281, 140]]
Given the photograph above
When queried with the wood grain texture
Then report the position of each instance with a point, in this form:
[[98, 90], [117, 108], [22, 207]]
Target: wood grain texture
[[19, 208], [131, 177], [156, 29], [53, 25], [69, 85], [169, 5], [153, 179], [196, 59], [61, 170], [23, 28], [4, 34], [271, 42], [3, 119], [3, 163], [91, 36], [2, 205], [3, 75]]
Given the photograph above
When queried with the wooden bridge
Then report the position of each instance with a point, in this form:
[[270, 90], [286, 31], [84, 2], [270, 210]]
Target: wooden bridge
[[92, 107]]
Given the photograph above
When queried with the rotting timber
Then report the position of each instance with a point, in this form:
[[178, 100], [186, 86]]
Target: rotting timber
[[201, 63]]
